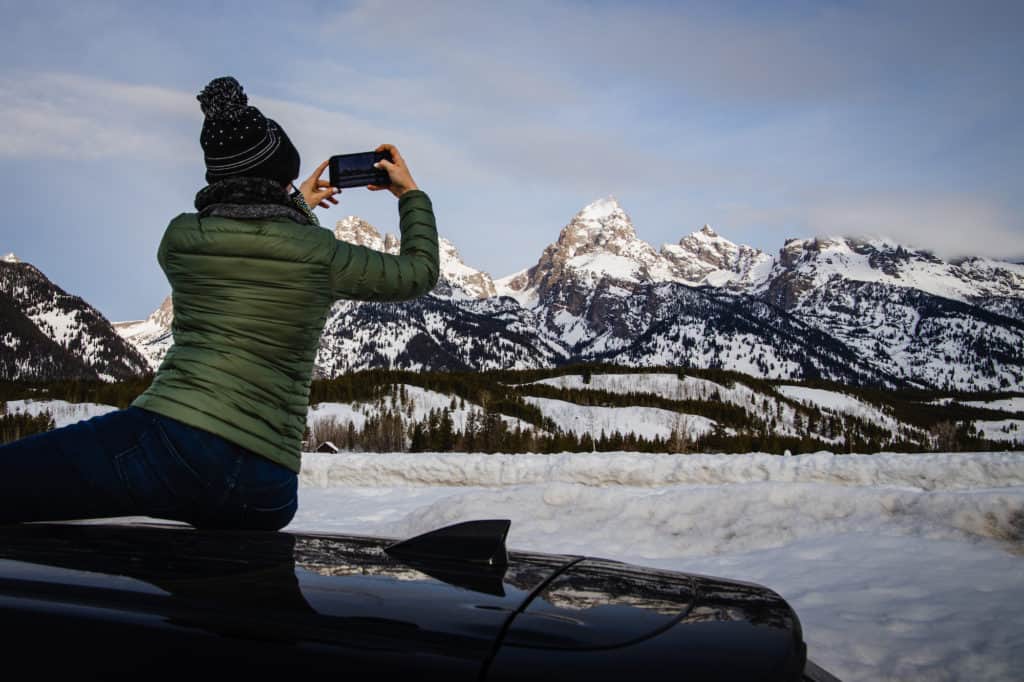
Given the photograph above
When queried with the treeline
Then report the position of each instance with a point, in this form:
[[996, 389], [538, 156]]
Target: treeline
[[482, 432], [120, 393], [488, 412], [14, 426]]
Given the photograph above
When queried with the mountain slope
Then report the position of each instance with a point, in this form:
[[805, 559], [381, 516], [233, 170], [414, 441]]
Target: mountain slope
[[911, 314], [50, 334], [151, 336]]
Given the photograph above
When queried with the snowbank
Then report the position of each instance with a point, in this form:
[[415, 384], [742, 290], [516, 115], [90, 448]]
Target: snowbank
[[933, 471]]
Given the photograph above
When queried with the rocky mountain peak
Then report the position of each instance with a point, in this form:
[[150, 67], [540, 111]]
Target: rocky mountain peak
[[599, 244], [600, 209], [11, 258], [473, 283], [601, 225], [705, 257], [164, 315], [355, 230]]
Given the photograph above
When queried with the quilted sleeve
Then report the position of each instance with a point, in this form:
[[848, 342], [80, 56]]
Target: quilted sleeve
[[362, 274]]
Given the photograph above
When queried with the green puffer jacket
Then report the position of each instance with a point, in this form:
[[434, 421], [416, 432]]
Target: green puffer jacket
[[251, 298]]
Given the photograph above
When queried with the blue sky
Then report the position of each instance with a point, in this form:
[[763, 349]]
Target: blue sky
[[766, 120]]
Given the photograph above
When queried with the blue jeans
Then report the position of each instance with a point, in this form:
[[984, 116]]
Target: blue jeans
[[135, 462]]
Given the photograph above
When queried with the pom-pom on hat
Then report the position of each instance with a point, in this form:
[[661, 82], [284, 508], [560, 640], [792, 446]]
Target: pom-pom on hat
[[239, 140]]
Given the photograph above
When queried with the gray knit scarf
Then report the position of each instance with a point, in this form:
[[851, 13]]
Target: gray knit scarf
[[250, 197]]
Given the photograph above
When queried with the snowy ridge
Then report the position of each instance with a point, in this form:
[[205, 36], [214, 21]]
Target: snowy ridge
[[918, 471], [856, 311], [884, 261], [707, 258], [464, 281], [152, 336], [601, 243], [10, 258]]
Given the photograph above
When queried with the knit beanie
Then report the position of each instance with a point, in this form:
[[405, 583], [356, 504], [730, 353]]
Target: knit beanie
[[238, 140]]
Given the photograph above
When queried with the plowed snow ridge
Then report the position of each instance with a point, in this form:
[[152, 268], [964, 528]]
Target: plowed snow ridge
[[937, 471]]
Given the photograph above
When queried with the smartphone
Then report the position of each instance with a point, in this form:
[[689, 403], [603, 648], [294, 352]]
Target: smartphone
[[356, 170]]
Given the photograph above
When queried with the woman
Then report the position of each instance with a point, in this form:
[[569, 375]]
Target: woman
[[215, 440]]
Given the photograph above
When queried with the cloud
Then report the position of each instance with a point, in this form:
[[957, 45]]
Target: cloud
[[788, 54], [64, 115], [950, 225], [318, 133]]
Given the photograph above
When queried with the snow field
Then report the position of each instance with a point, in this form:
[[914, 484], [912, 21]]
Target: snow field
[[1006, 404], [665, 385], [840, 403], [1011, 430], [63, 412], [668, 386], [423, 401], [643, 421]]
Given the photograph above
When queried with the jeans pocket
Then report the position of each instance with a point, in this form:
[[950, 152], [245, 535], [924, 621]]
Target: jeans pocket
[[213, 459], [271, 507], [159, 482]]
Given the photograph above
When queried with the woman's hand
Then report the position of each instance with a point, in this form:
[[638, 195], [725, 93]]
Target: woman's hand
[[401, 178], [318, 192]]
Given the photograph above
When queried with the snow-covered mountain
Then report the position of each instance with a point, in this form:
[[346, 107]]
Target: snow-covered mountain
[[853, 310], [598, 244], [47, 333], [911, 313], [807, 264], [151, 336], [705, 257]]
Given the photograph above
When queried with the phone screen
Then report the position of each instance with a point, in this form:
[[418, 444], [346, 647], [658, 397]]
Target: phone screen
[[356, 170]]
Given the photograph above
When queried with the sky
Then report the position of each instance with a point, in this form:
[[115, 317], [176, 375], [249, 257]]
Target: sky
[[765, 120]]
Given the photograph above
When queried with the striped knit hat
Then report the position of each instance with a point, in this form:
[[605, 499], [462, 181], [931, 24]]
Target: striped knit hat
[[238, 140]]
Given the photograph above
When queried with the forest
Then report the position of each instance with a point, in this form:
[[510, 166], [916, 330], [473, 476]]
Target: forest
[[497, 417]]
